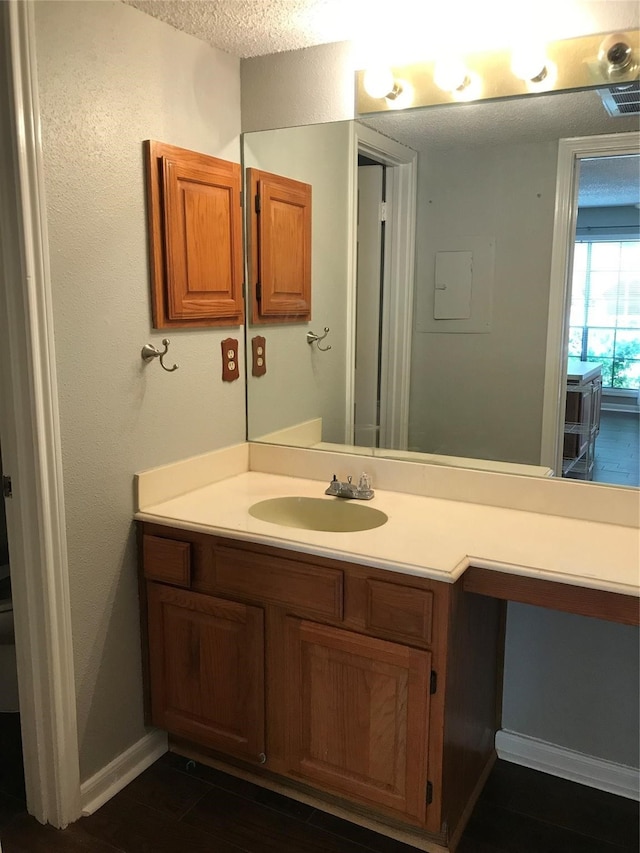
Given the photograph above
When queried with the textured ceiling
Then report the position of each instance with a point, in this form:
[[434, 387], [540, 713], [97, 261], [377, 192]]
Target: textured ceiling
[[611, 181], [505, 121], [247, 28]]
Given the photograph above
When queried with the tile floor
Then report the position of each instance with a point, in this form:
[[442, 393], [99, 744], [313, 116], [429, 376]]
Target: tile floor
[[617, 456]]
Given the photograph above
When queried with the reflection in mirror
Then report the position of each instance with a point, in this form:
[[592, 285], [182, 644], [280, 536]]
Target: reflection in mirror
[[472, 353]]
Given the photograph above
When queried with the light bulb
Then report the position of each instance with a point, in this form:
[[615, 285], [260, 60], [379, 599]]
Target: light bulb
[[378, 82], [451, 74], [529, 62]]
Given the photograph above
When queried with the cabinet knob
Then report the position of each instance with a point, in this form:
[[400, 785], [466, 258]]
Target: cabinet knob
[[262, 758]]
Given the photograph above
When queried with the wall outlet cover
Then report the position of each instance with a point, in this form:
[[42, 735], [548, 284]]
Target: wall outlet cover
[[258, 356], [230, 368]]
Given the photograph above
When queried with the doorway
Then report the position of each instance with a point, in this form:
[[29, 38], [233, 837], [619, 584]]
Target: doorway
[[382, 285], [604, 315], [11, 760], [572, 398], [29, 432], [370, 290]]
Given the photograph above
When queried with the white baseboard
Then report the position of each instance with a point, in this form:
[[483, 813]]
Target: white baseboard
[[558, 761], [118, 773]]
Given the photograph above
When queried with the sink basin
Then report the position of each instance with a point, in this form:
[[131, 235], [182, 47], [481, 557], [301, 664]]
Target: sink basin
[[330, 514]]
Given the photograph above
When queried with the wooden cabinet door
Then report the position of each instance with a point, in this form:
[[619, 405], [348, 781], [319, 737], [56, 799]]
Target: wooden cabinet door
[[280, 257], [204, 240], [206, 659], [195, 238], [357, 715]]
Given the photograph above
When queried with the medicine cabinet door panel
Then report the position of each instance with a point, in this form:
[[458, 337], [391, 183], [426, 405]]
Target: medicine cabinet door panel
[[204, 241]]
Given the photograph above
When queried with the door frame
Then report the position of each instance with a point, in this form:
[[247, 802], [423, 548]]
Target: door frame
[[369, 276], [31, 445], [397, 312], [570, 152]]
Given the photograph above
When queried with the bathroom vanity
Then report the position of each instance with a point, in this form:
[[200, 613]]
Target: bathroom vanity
[[317, 664], [365, 684]]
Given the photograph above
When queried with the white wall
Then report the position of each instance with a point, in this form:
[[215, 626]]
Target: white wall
[[480, 394], [110, 77], [573, 681], [525, 706], [301, 382]]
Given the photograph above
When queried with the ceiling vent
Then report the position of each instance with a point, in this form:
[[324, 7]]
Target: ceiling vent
[[622, 100]]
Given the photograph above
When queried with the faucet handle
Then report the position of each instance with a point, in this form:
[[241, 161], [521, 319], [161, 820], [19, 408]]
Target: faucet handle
[[365, 482]]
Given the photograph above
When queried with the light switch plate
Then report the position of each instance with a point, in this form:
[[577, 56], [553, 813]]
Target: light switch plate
[[230, 369]]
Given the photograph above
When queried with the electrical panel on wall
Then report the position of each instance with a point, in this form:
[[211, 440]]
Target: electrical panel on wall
[[454, 283], [455, 293]]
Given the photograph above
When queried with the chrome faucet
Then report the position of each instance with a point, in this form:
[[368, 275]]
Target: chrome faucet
[[361, 492]]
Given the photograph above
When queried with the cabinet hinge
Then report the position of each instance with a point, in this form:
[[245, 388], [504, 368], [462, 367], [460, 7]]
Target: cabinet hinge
[[257, 204], [433, 682], [258, 291], [429, 793], [7, 488], [383, 211], [241, 199]]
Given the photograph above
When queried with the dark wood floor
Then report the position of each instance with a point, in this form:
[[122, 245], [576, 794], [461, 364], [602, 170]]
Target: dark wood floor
[[177, 807]]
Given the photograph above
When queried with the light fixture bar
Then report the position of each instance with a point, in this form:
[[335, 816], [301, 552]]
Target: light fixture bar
[[586, 62]]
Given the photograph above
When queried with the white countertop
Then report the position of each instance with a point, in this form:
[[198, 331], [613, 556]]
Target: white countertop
[[582, 371], [424, 535]]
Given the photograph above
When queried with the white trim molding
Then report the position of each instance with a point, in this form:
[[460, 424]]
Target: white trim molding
[[570, 152], [30, 436], [106, 783], [397, 319], [567, 764]]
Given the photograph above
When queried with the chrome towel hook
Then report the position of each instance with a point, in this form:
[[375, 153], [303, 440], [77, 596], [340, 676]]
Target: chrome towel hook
[[149, 352], [312, 338]]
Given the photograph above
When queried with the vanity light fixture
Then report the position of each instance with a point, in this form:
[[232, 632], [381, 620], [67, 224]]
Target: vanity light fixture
[[585, 62]]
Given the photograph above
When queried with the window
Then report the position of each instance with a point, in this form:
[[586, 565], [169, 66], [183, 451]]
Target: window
[[604, 325]]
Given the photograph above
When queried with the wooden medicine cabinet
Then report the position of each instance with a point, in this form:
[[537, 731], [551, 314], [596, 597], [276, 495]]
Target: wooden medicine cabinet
[[280, 248], [195, 238]]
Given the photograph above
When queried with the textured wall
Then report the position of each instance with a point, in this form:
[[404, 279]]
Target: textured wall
[[110, 77]]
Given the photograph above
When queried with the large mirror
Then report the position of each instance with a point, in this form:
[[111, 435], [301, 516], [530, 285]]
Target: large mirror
[[437, 303]]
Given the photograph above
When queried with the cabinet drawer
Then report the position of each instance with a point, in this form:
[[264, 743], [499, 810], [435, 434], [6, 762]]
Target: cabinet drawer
[[276, 580], [399, 612], [166, 560]]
